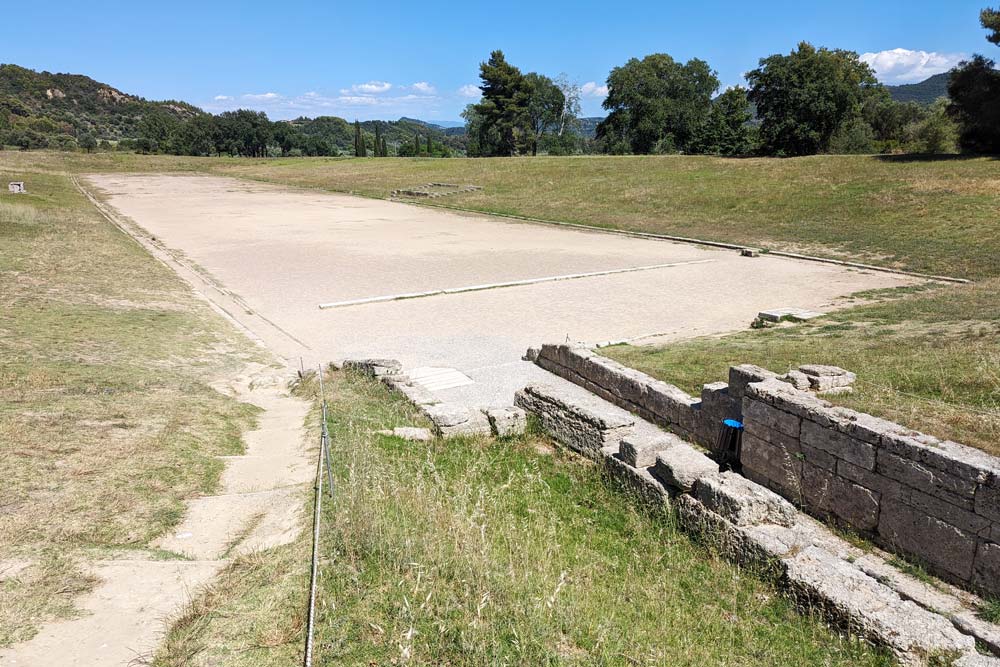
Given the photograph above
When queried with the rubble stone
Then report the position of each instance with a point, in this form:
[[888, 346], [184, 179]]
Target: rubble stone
[[679, 467], [507, 422]]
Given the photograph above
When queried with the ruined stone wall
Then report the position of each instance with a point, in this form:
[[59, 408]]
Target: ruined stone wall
[[938, 502], [935, 500]]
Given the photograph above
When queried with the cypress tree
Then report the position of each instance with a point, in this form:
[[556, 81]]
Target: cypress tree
[[416, 145], [364, 145], [358, 146], [385, 148], [378, 141], [430, 146]]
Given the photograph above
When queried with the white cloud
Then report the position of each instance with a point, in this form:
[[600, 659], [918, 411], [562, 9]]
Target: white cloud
[[470, 90], [262, 97], [906, 66], [424, 87], [222, 98], [370, 88], [592, 89]]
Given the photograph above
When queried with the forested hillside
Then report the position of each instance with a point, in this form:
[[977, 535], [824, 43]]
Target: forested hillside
[[924, 92], [39, 109]]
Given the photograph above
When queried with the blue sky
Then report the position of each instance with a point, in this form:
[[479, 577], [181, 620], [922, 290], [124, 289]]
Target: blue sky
[[383, 60]]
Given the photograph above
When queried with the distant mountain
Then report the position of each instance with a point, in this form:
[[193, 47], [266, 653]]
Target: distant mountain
[[450, 128], [42, 104], [340, 133], [588, 126], [924, 92]]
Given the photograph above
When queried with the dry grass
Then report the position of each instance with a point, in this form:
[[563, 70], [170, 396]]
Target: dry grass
[[934, 215], [476, 552], [107, 421]]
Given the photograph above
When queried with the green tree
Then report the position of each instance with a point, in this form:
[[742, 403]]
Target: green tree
[[656, 104], [727, 130], [545, 106], [803, 98], [503, 111], [357, 139], [936, 132], [87, 142], [990, 20], [378, 141], [416, 145], [430, 146], [974, 89], [385, 148]]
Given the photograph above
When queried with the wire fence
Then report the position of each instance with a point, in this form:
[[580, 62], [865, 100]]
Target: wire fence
[[322, 460]]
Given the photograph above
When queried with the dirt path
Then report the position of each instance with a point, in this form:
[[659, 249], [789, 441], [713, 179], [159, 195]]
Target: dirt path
[[258, 506]]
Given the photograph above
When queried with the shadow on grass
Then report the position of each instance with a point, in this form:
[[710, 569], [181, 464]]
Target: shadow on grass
[[933, 157]]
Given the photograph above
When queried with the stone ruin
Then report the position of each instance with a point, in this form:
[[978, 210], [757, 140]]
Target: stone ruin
[[16, 187]]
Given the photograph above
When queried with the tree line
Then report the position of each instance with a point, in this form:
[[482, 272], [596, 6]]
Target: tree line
[[812, 100]]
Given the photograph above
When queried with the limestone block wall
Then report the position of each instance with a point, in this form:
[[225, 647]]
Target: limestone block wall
[[936, 500]]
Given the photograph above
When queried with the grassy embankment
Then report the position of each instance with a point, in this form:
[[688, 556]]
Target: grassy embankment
[[477, 552], [107, 421]]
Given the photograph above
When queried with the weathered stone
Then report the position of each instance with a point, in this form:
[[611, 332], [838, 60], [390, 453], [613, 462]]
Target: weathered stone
[[950, 457], [770, 417], [417, 394], [825, 378], [638, 480], [985, 633], [986, 573], [955, 515], [797, 379], [531, 354], [452, 420], [742, 502], [819, 458], [679, 467], [750, 252], [777, 438], [640, 450], [373, 367], [741, 376], [761, 459], [841, 445], [887, 488], [927, 479], [988, 500], [507, 422], [938, 543], [835, 391], [855, 600], [583, 423], [847, 501], [411, 433], [976, 659]]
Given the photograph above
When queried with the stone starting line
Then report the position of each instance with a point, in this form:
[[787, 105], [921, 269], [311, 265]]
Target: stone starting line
[[501, 285]]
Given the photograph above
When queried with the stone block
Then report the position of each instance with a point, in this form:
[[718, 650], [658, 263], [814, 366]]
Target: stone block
[[583, 423], [778, 465], [950, 457], [887, 488], [531, 354], [741, 501], [987, 502], [851, 503], [373, 367], [411, 433], [938, 543], [797, 379], [741, 376], [957, 490], [679, 467], [451, 420], [507, 422], [417, 394], [638, 480], [839, 444], [771, 417], [640, 449], [953, 514], [855, 600], [824, 378], [819, 458], [986, 573], [976, 659]]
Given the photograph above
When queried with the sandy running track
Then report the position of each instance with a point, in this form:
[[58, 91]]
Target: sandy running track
[[280, 253]]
